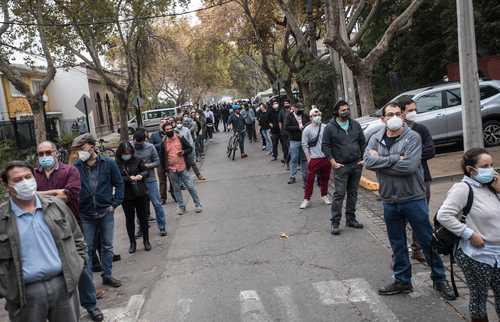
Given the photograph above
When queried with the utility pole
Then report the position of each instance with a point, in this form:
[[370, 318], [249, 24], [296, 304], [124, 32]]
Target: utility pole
[[469, 78]]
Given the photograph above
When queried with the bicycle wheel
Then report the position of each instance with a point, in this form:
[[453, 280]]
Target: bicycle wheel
[[235, 147], [229, 147]]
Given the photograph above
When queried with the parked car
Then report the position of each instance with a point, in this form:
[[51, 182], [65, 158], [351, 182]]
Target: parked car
[[151, 119], [440, 109]]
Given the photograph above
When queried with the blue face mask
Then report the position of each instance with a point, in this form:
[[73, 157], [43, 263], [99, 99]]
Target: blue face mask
[[485, 175], [47, 161], [126, 157]]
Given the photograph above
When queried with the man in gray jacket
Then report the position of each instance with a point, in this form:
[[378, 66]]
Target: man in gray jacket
[[343, 145], [42, 252], [394, 153], [147, 153]]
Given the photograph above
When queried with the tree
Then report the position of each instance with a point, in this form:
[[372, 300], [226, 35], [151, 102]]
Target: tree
[[114, 27], [25, 22], [363, 66]]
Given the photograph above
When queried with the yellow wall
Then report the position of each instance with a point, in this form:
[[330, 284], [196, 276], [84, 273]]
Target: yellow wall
[[19, 105]]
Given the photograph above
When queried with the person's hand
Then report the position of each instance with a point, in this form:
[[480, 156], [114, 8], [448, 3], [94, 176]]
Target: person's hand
[[403, 157], [138, 177], [476, 240], [308, 159], [180, 153], [361, 163], [495, 184], [336, 165], [373, 153]]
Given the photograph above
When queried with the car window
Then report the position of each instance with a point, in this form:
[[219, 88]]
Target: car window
[[488, 91], [429, 102], [453, 97], [154, 115]]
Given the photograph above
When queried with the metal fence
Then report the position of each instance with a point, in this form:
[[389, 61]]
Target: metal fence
[[21, 132]]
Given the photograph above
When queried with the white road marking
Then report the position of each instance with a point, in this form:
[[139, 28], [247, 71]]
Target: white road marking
[[422, 285], [284, 293], [130, 313], [354, 291], [183, 309], [252, 309]]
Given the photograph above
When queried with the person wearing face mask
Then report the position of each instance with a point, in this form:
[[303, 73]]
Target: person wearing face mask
[[156, 139], [284, 135], [478, 251], [317, 163], [343, 145], [409, 108], [293, 125], [134, 172], [237, 124], [99, 176], [61, 180], [185, 133], [275, 129], [395, 154], [147, 152], [43, 251]]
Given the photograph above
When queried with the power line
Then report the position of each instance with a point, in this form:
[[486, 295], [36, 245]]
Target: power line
[[107, 22]]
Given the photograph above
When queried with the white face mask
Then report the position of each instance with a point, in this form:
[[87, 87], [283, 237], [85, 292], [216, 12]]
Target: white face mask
[[316, 119], [394, 123], [411, 116], [84, 155], [25, 189], [179, 126]]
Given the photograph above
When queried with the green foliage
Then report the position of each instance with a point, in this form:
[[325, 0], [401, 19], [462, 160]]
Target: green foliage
[[321, 76], [66, 140], [9, 152]]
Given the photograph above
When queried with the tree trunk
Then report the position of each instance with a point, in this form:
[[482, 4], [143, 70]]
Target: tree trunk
[[306, 95], [38, 120], [365, 91], [287, 86], [123, 104]]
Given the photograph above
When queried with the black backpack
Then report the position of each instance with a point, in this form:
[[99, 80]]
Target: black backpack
[[445, 242]]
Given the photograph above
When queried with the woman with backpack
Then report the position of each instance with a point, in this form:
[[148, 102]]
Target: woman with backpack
[[478, 252], [136, 194]]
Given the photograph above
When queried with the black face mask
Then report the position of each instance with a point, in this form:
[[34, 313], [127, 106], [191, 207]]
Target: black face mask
[[169, 133]]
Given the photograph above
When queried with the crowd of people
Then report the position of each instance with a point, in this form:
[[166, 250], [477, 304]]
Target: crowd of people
[[58, 226]]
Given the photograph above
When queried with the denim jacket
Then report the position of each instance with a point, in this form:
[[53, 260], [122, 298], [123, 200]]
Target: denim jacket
[[109, 177]]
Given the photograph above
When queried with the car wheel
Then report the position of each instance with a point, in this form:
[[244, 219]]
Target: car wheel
[[491, 133]]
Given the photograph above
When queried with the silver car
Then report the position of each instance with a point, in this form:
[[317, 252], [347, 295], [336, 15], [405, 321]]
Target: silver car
[[439, 108]]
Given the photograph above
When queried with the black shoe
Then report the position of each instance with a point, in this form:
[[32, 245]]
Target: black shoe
[[291, 180], [151, 219], [96, 315], [96, 268], [111, 281], [147, 245], [163, 202], [335, 229], [116, 257], [163, 233], [132, 248], [354, 224], [396, 288], [445, 290]]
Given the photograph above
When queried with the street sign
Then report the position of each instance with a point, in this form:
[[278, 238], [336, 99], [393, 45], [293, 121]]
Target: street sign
[[137, 102], [82, 106]]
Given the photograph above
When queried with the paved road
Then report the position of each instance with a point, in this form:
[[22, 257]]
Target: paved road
[[229, 263]]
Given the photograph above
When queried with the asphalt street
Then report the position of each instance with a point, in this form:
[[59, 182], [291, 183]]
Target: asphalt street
[[252, 255]]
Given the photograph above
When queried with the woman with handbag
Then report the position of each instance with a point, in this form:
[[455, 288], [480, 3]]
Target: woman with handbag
[[136, 195], [478, 252]]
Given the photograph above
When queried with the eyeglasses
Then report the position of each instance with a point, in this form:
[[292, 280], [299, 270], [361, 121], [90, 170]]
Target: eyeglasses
[[44, 153]]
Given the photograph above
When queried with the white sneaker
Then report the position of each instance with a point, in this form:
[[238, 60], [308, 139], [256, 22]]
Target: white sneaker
[[304, 204], [326, 200], [198, 209], [181, 211]]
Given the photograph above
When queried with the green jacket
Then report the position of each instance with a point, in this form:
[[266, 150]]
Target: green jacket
[[67, 236]]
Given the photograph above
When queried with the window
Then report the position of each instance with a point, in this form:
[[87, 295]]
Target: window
[[14, 92], [429, 102], [453, 97], [35, 85], [487, 91]]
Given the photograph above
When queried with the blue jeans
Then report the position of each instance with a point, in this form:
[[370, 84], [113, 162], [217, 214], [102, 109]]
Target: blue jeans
[[154, 196], [105, 225], [86, 290], [266, 134], [183, 178], [416, 213], [295, 155]]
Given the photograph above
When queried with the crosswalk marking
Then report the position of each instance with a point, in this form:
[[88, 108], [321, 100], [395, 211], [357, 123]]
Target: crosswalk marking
[[252, 309], [354, 291], [183, 309], [284, 293]]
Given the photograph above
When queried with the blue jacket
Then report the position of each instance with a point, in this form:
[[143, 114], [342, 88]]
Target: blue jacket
[[109, 176]]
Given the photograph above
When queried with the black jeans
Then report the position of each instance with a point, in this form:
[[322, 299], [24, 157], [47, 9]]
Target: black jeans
[[276, 138], [251, 132], [131, 208], [346, 181]]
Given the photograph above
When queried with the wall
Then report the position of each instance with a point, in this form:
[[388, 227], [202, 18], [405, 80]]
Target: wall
[[106, 117], [18, 106], [65, 91]]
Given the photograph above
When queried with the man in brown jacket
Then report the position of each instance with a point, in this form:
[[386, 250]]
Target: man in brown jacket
[[42, 252]]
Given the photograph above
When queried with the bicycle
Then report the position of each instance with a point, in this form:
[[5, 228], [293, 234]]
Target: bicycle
[[232, 145], [104, 151]]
